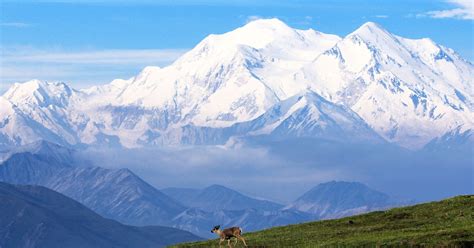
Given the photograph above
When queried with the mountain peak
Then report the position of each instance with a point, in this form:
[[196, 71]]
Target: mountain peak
[[217, 187], [369, 30], [149, 69], [259, 33], [49, 151], [339, 198], [371, 25], [311, 96], [42, 145], [335, 183], [38, 92], [28, 86], [267, 23], [405, 90]]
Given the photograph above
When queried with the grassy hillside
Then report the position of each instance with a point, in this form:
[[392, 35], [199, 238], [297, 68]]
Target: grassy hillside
[[445, 223]]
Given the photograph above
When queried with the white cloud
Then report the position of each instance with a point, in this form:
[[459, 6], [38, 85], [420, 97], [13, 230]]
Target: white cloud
[[465, 11], [108, 57], [252, 18], [381, 16], [81, 68]]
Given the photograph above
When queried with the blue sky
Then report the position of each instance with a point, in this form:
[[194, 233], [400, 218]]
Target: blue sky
[[92, 42]]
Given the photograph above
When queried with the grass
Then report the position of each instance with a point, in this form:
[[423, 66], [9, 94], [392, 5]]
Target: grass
[[447, 223]]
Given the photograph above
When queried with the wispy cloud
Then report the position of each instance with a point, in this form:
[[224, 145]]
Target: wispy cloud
[[381, 16], [464, 11], [108, 57], [259, 173], [305, 21], [252, 18], [82, 68], [15, 24]]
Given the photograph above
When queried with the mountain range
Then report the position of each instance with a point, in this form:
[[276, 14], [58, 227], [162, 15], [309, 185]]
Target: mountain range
[[121, 195], [117, 194], [325, 201], [262, 79]]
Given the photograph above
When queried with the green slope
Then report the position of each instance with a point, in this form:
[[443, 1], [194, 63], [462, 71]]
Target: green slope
[[447, 223]]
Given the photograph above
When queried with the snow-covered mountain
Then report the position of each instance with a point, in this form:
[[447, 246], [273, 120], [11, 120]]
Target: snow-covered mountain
[[337, 199], [408, 91], [309, 115], [366, 87]]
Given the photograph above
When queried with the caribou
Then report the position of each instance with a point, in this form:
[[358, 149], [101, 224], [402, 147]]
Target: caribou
[[228, 234]]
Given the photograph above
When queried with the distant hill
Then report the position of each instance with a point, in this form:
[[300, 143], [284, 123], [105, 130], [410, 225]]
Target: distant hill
[[218, 197], [113, 193], [34, 216], [219, 205], [443, 223], [198, 221], [118, 194], [337, 199]]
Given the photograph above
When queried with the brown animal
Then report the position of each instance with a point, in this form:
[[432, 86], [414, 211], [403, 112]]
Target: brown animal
[[228, 234]]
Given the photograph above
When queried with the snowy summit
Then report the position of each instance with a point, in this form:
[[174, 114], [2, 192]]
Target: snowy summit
[[264, 78]]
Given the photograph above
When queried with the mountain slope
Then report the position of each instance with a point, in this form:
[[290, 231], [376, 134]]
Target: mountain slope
[[218, 197], [217, 204], [181, 194], [40, 110], [337, 199], [409, 91], [33, 216], [445, 223], [117, 194], [309, 115], [35, 163], [198, 221], [455, 140]]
